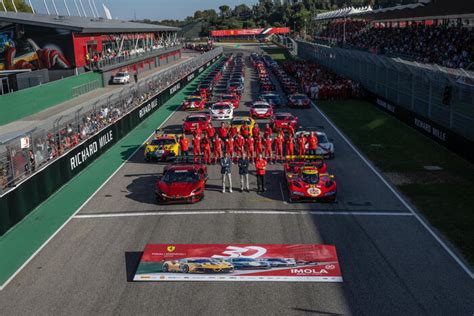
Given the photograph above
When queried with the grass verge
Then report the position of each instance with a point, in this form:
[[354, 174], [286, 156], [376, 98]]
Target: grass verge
[[445, 197], [278, 54]]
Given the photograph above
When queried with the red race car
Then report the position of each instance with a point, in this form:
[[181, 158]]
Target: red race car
[[283, 121], [261, 110], [295, 163], [231, 98], [181, 183], [299, 101], [193, 121], [308, 184], [194, 103]]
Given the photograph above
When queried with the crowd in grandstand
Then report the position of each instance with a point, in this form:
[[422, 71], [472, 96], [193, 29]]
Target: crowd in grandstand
[[45, 148], [445, 45], [319, 82]]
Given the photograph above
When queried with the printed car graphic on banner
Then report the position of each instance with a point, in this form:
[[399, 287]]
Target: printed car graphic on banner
[[239, 262]]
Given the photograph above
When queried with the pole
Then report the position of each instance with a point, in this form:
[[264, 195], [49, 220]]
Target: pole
[[77, 8], [67, 9]]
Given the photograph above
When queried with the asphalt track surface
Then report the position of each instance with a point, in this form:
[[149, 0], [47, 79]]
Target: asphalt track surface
[[391, 264]]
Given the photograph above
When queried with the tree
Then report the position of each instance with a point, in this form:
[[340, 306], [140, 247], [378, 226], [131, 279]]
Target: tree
[[21, 6], [224, 10]]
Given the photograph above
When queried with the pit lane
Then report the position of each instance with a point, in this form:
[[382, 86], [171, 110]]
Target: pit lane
[[390, 264]]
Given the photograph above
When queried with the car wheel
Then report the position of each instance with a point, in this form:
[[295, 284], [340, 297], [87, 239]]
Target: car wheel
[[165, 268], [185, 269]]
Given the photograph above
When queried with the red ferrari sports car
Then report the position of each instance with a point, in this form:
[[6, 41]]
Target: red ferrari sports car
[[194, 103], [283, 121], [231, 98], [299, 101], [181, 183], [195, 121], [295, 163], [261, 110], [308, 184]]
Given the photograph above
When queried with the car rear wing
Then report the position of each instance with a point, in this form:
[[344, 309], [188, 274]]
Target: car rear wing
[[307, 158]]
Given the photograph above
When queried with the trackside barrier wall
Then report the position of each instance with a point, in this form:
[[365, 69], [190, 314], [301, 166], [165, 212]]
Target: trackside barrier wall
[[19, 104], [434, 100], [20, 201]]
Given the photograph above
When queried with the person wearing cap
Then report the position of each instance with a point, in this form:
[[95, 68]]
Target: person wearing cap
[[261, 167]]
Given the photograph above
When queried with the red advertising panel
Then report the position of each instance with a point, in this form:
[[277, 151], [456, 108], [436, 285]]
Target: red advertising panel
[[239, 262], [247, 32]]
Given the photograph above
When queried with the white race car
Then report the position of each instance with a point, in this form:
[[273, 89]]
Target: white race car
[[222, 111], [121, 78], [325, 147]]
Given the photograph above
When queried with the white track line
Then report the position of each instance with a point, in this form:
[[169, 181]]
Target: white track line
[[402, 200], [282, 194], [80, 207], [255, 212]]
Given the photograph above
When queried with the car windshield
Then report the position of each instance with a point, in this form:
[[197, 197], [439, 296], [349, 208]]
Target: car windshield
[[310, 178], [227, 97], [299, 97], [322, 139], [220, 107], [200, 260], [271, 97], [121, 74], [194, 99], [243, 260], [240, 122], [261, 106], [162, 142], [187, 176], [195, 119], [283, 117]]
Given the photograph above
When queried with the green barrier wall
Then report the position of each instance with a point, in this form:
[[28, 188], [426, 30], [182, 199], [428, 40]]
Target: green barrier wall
[[19, 104], [20, 201]]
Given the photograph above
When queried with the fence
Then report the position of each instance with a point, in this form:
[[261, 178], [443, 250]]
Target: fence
[[442, 95], [85, 88], [23, 155]]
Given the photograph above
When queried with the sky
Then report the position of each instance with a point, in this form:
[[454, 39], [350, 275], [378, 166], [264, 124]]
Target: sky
[[145, 9]]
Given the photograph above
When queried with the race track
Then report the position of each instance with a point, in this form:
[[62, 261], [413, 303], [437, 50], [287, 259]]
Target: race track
[[390, 263]]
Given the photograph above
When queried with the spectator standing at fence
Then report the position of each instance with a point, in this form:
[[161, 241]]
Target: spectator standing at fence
[[226, 171], [244, 173], [261, 168]]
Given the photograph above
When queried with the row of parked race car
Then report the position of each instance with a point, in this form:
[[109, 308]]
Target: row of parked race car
[[306, 176], [228, 265]]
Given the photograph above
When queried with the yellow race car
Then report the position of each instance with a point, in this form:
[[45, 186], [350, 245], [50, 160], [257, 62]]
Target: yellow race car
[[197, 265], [239, 121], [163, 147]]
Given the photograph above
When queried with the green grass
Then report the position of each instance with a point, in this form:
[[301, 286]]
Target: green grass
[[446, 198], [277, 53]]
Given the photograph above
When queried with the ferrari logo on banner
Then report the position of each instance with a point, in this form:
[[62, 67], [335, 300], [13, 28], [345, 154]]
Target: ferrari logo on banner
[[239, 262]]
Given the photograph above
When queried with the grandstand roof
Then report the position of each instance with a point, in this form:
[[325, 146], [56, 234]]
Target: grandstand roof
[[80, 24]]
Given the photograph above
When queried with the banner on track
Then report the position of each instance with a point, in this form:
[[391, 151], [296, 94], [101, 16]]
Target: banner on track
[[239, 262]]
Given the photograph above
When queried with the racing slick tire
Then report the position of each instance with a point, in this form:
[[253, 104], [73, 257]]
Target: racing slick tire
[[185, 269], [165, 268]]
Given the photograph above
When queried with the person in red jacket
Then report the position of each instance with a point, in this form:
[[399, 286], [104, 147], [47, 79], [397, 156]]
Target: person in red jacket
[[279, 147], [197, 131], [258, 146], [255, 131], [184, 146], [229, 147], [222, 131], [312, 143], [268, 131], [206, 147], [217, 148], [245, 130], [249, 148], [301, 142], [268, 142], [290, 146], [261, 168], [233, 131], [211, 131], [291, 131], [197, 148], [239, 145]]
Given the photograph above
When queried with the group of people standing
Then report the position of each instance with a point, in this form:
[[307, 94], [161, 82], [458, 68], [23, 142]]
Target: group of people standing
[[244, 146]]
